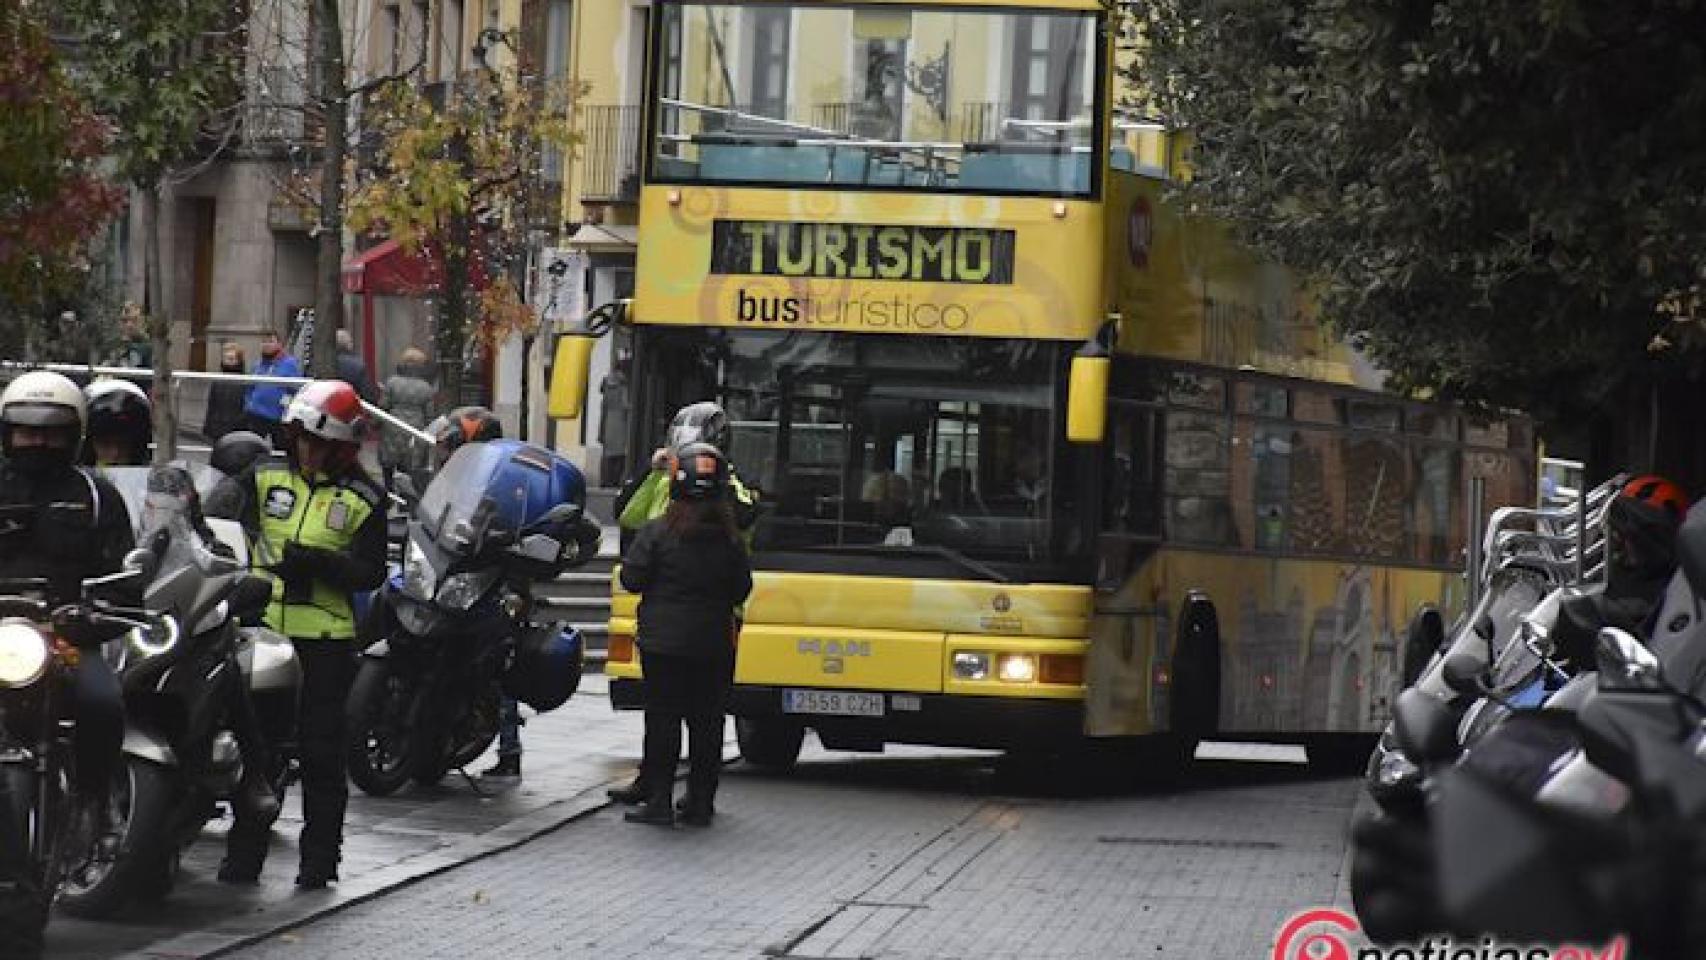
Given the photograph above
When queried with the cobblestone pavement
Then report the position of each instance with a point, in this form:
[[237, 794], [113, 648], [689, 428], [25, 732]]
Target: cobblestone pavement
[[916, 858], [572, 753]]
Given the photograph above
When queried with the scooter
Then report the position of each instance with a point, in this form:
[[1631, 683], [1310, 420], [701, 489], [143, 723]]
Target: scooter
[[181, 687]]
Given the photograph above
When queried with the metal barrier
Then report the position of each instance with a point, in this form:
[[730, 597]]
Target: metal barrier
[[180, 377]]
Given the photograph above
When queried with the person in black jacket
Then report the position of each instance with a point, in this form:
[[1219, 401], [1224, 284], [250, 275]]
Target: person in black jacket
[[66, 525], [691, 572]]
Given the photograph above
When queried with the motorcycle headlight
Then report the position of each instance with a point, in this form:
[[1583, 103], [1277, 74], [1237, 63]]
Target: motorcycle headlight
[[419, 578], [153, 642], [460, 592], [23, 654]]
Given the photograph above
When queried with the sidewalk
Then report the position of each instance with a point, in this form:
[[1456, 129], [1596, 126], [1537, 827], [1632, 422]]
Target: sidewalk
[[572, 755]]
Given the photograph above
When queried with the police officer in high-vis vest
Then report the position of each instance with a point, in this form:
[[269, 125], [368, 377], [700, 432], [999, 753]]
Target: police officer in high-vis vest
[[318, 529]]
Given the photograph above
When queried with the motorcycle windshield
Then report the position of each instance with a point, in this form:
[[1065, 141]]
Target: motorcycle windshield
[[484, 495], [170, 522], [132, 485]]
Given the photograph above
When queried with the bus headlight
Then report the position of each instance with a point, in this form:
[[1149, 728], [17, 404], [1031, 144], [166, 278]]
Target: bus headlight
[[1017, 668], [23, 654], [971, 666]]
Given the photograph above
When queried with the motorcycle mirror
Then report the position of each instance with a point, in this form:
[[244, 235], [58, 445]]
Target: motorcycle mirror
[[142, 562], [1625, 663], [1424, 727], [539, 547], [1463, 674]]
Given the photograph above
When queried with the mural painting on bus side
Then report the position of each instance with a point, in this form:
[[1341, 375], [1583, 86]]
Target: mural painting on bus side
[[1306, 646]]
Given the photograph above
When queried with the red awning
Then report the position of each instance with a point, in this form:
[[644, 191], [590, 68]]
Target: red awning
[[388, 270]]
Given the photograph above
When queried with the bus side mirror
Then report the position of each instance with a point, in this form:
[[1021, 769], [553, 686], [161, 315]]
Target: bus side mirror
[[1087, 399], [571, 367]]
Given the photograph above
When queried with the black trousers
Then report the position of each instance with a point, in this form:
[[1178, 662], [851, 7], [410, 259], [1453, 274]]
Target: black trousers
[[695, 691], [99, 705], [328, 669]]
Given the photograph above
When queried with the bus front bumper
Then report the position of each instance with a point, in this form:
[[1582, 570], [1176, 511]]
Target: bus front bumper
[[943, 720]]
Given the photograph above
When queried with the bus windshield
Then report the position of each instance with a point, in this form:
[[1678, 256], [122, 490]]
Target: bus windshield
[[950, 99], [878, 445]]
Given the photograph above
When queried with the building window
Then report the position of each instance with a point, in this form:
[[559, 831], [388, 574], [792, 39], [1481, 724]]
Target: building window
[[394, 38], [882, 89], [1048, 67], [767, 95], [450, 40]]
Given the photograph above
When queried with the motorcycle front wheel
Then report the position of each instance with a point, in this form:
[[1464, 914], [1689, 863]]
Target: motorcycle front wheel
[[381, 745], [135, 858], [23, 905]]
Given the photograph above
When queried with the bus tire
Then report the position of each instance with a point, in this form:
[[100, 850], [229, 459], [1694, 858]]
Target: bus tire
[[1194, 706], [770, 743]]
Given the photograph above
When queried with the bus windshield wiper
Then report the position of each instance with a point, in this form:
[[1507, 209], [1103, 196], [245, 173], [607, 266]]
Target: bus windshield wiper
[[955, 557]]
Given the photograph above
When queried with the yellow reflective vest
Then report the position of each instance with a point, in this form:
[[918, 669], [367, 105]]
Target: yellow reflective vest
[[325, 515]]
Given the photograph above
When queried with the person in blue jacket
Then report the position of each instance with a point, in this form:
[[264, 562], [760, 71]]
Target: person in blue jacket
[[263, 407]]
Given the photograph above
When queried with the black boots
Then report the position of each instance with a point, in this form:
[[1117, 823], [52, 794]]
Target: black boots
[[508, 767], [695, 812], [245, 853], [317, 870], [656, 811]]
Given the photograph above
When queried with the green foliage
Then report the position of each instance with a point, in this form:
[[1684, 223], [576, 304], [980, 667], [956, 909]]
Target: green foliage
[[1501, 201], [456, 178], [165, 73], [52, 197]]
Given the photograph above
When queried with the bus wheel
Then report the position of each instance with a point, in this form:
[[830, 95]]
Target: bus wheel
[[1194, 705], [771, 743], [1340, 754]]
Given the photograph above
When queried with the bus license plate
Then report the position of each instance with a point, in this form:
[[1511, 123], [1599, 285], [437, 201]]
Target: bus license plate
[[837, 702]]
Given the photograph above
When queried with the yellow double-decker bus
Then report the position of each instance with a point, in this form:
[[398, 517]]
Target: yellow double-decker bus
[[879, 234]]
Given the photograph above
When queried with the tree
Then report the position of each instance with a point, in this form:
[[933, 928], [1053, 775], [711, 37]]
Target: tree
[[1501, 202], [454, 179], [53, 200], [166, 75], [305, 49]]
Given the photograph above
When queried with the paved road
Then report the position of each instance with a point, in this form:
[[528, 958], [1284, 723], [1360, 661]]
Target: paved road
[[572, 754], [916, 858]]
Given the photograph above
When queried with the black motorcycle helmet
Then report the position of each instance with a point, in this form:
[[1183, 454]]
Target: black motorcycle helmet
[[698, 473], [237, 451], [1641, 525], [460, 426], [119, 411], [702, 422]]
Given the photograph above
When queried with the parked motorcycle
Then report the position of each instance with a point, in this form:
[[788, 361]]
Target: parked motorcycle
[[182, 758], [1571, 821], [41, 638], [458, 624]]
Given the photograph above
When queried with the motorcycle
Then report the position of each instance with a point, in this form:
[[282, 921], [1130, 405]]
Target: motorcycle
[[458, 624], [1554, 821], [42, 638], [181, 754]]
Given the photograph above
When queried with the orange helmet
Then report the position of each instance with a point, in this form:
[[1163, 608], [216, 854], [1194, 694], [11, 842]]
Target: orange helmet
[[1654, 491], [1641, 525]]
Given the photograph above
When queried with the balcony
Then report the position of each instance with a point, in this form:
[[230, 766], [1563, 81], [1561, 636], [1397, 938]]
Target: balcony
[[610, 153]]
